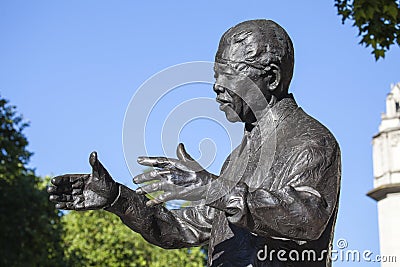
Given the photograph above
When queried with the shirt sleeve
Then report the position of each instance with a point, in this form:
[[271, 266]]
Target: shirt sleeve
[[299, 207], [165, 228]]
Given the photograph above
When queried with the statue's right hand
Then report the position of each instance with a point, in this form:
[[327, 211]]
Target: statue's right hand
[[84, 191]]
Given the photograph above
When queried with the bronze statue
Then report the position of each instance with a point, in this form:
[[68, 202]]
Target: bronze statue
[[277, 191]]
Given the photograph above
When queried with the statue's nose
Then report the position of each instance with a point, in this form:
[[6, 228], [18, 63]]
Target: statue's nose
[[218, 88]]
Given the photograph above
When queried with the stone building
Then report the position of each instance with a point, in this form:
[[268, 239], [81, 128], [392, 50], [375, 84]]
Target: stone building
[[386, 162]]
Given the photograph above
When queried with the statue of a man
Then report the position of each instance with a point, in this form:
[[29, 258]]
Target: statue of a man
[[276, 198]]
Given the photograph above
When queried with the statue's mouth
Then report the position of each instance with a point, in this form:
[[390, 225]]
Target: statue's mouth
[[222, 101]]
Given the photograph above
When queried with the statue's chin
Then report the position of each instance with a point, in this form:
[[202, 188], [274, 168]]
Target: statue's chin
[[232, 117], [230, 113]]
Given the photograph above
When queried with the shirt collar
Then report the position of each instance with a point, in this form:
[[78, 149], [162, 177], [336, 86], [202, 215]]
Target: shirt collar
[[277, 113]]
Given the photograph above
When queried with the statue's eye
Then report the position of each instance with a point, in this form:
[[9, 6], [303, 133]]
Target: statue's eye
[[241, 67]]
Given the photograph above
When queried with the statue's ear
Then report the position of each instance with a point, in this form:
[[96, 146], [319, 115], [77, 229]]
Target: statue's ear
[[273, 76]]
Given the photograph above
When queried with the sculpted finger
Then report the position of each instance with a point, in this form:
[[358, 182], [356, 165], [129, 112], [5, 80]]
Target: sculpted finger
[[67, 184], [80, 206], [61, 189], [150, 161], [146, 177], [60, 180], [51, 189], [66, 205], [98, 169], [79, 183], [164, 172], [77, 192], [78, 198], [161, 199], [69, 205], [150, 176], [182, 154], [150, 188], [93, 159], [159, 162], [62, 206], [53, 198], [60, 198], [68, 179], [190, 163]]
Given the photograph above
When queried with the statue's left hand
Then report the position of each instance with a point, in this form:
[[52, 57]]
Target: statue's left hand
[[181, 178]]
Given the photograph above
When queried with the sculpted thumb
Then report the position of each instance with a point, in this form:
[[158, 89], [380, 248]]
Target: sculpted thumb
[[93, 160], [182, 154]]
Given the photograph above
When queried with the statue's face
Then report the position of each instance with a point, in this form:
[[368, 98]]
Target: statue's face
[[238, 95], [226, 84], [240, 86]]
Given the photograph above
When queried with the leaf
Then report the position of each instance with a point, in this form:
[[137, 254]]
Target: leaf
[[379, 53], [393, 11], [108, 242], [30, 228], [378, 18]]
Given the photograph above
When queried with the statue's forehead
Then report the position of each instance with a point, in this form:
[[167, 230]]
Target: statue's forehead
[[242, 46], [223, 68]]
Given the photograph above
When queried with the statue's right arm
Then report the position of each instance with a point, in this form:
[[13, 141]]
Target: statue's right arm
[[160, 226], [184, 227]]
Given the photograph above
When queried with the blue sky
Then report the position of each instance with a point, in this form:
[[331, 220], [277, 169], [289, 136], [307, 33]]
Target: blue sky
[[72, 67]]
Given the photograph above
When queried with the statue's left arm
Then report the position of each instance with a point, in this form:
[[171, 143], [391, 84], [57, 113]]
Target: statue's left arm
[[165, 228], [299, 206]]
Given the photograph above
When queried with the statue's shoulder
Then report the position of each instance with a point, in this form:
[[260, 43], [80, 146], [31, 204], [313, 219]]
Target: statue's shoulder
[[304, 130]]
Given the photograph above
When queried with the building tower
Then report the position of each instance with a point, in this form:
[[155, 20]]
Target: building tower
[[386, 162]]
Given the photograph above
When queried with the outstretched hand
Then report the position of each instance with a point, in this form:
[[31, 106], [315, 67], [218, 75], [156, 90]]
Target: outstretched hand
[[84, 191], [181, 178]]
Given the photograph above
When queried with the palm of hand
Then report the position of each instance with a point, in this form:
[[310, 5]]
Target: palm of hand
[[181, 178], [84, 191]]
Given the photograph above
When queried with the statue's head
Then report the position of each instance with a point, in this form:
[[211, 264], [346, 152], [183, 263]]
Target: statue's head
[[256, 51]]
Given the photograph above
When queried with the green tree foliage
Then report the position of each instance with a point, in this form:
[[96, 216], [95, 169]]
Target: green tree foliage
[[98, 238], [30, 231], [34, 233], [378, 22]]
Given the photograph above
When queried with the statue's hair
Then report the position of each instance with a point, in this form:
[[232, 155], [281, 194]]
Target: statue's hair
[[273, 46]]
